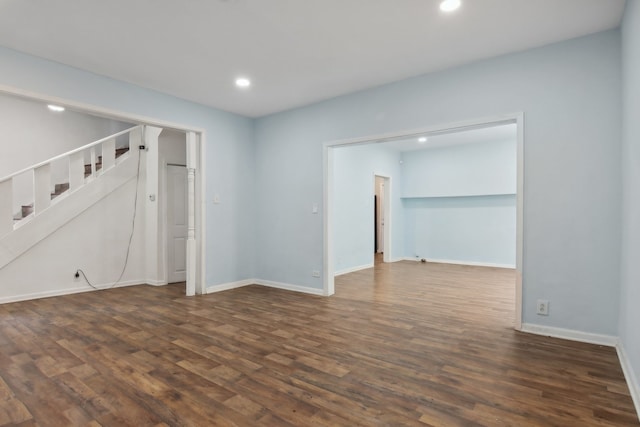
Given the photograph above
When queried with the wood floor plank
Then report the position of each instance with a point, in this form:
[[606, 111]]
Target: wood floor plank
[[398, 344]]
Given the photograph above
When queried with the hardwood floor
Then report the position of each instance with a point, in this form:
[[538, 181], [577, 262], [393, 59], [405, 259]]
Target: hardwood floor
[[409, 344]]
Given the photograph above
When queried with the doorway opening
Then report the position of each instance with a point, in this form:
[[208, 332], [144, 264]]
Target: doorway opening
[[172, 150], [382, 218], [153, 265], [513, 197]]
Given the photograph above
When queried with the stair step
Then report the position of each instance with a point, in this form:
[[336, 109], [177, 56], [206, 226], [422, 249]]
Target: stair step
[[87, 169], [59, 189], [26, 210]]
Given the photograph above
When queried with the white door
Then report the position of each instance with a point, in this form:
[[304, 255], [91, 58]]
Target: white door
[[176, 223]]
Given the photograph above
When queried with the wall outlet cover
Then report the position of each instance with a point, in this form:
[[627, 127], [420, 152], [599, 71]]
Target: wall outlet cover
[[542, 308]]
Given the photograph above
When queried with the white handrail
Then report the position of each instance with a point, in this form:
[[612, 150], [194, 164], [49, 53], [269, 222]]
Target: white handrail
[[68, 153]]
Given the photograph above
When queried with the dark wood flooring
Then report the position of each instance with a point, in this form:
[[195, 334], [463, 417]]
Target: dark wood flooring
[[402, 344]]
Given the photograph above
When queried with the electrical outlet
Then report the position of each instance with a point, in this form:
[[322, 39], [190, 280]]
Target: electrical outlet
[[315, 273], [543, 307]]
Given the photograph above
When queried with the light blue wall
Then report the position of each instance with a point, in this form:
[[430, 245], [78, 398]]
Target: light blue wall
[[354, 169], [630, 294], [461, 170], [464, 229], [478, 229], [229, 150], [570, 94]]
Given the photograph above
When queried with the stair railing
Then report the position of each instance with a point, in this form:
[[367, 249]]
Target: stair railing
[[79, 173]]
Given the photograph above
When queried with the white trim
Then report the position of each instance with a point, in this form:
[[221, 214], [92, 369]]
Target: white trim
[[69, 291], [289, 287], [388, 249], [227, 286], [328, 284], [149, 121], [519, 219], [480, 123], [630, 376], [192, 244], [100, 111], [160, 282], [266, 283], [151, 213], [472, 263], [353, 269], [570, 334], [201, 220], [327, 169]]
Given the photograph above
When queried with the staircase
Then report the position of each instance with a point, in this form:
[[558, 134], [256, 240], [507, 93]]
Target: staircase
[[64, 187], [89, 178]]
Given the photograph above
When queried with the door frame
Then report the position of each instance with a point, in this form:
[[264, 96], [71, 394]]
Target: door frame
[[386, 209], [328, 196], [196, 160]]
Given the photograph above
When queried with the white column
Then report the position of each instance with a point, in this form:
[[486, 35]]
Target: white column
[[92, 152], [108, 154], [76, 170], [154, 272], [6, 206], [41, 188], [191, 211]]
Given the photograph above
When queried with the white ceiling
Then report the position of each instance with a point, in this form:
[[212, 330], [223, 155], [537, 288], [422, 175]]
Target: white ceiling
[[295, 51]]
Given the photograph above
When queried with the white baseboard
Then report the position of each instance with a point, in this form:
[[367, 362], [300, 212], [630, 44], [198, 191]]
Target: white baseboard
[[157, 282], [570, 334], [67, 291], [230, 285], [289, 287], [352, 269], [458, 262], [267, 283], [630, 376]]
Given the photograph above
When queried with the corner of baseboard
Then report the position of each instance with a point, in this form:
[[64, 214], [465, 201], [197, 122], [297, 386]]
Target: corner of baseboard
[[471, 263], [267, 283], [230, 285], [570, 334], [290, 287], [353, 269], [630, 376]]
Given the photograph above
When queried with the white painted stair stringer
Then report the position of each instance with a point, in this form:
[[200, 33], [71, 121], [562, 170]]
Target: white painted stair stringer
[[67, 208]]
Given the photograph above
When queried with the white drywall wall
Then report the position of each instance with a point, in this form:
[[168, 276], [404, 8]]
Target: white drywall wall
[[31, 133], [95, 241]]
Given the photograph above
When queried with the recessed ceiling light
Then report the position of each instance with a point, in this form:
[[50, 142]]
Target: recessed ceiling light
[[449, 5], [55, 108], [422, 139], [243, 82]]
